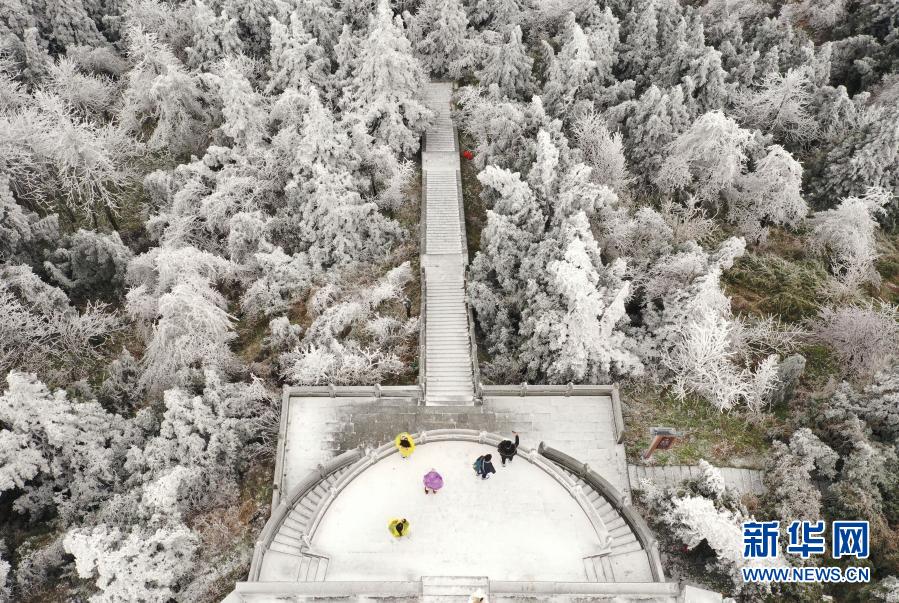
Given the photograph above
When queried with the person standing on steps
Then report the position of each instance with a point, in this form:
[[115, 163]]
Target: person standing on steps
[[483, 466], [405, 444], [399, 527], [507, 449], [433, 481]]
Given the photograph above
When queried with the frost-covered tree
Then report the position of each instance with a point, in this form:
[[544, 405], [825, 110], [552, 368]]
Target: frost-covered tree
[[5, 590], [846, 235], [186, 318], [819, 15], [243, 109], [295, 56], [506, 131], [537, 246], [864, 337], [88, 94], [120, 390], [57, 158], [866, 155], [780, 106], [215, 36], [507, 64], [208, 432], [710, 156], [689, 335], [162, 96], [649, 125], [867, 479], [570, 325], [375, 344], [603, 152], [439, 34], [59, 454], [572, 71], [770, 195], [282, 280], [22, 231], [790, 470], [706, 513], [335, 225], [90, 262], [386, 91], [40, 332], [140, 564], [495, 14]]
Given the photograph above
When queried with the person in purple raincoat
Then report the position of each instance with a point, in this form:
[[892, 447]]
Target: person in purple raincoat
[[433, 481]]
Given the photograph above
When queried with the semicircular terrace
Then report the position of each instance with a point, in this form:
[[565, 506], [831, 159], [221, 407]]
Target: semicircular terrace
[[544, 517]]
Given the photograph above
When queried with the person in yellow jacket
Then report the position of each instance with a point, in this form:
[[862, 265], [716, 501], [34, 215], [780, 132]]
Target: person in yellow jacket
[[405, 444], [399, 527]]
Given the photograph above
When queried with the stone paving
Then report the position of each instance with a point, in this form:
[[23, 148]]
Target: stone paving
[[744, 481], [521, 524], [319, 428]]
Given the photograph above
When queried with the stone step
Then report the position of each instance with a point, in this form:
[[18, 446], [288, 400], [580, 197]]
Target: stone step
[[284, 548], [629, 547]]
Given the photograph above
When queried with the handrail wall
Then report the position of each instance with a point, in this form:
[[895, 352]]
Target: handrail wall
[[637, 524]]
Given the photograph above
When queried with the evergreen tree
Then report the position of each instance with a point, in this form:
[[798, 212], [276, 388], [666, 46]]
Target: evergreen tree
[[387, 86], [439, 33], [295, 57], [507, 64]]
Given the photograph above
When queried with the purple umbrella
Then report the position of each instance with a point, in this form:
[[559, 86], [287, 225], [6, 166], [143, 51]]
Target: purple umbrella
[[433, 480]]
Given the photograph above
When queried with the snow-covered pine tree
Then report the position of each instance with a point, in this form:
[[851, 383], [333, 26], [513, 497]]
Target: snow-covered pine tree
[[387, 85], [507, 64], [295, 57], [440, 37]]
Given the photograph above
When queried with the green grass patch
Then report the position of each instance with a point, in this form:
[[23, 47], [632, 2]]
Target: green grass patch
[[722, 438], [887, 266], [769, 284], [820, 366], [475, 210]]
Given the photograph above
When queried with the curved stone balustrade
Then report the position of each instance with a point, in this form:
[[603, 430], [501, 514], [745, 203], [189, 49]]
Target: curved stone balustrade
[[282, 511], [629, 534]]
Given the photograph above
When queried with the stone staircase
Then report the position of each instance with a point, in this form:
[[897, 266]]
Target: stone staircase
[[448, 372], [451, 589], [443, 230], [441, 137], [626, 560], [289, 548]]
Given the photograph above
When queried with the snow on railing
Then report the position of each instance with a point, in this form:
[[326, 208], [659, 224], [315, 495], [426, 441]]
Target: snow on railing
[[282, 510], [422, 334], [630, 515]]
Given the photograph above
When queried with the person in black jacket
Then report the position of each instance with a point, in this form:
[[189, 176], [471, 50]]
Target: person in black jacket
[[507, 449], [484, 467]]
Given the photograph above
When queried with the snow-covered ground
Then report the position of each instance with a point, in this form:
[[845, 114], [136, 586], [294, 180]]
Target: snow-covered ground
[[518, 525]]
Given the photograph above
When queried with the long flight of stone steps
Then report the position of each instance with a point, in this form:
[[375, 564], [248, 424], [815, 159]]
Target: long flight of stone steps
[[448, 366]]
